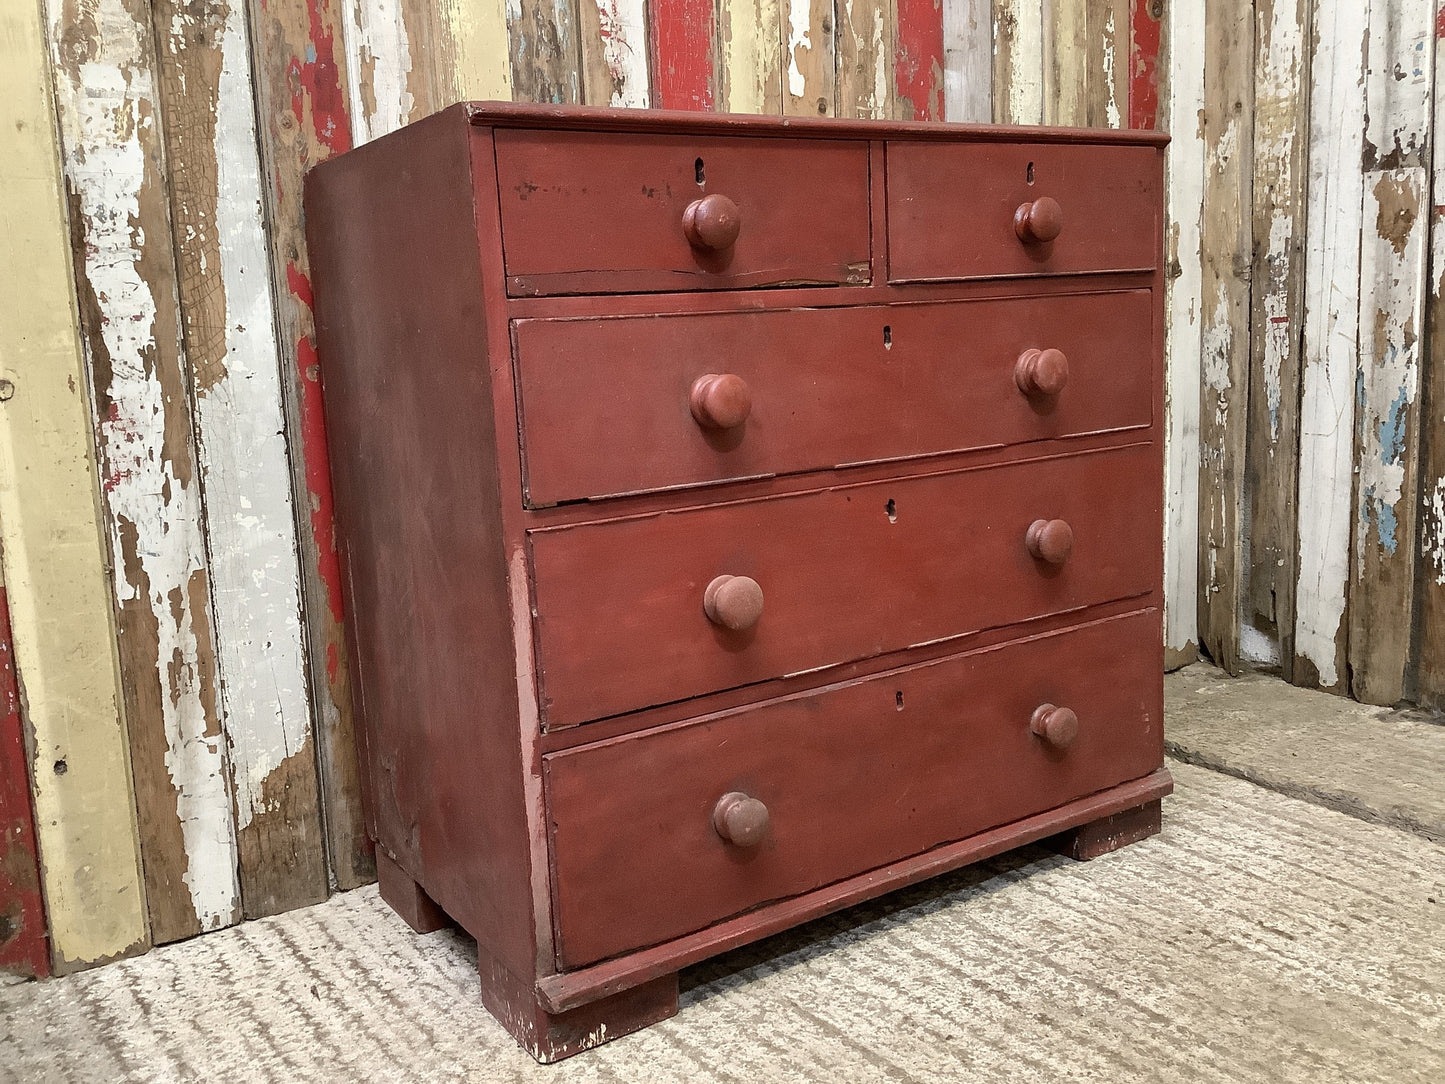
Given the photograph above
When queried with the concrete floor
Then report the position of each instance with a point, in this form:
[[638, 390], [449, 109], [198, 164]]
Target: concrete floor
[[1258, 938]]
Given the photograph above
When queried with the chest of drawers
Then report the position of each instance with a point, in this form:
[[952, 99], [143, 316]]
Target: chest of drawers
[[738, 519]]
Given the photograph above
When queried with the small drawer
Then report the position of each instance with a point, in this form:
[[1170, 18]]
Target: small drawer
[[987, 210], [630, 404], [601, 213], [829, 784], [664, 607]]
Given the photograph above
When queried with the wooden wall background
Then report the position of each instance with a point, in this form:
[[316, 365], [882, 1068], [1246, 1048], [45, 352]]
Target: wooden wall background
[[182, 713]]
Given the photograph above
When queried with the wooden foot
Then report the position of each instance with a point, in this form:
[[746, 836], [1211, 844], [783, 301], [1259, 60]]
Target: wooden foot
[[550, 1037], [406, 897], [1109, 833]]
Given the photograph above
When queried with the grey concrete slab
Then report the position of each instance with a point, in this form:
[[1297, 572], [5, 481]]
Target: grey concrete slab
[[1381, 764], [1258, 938]]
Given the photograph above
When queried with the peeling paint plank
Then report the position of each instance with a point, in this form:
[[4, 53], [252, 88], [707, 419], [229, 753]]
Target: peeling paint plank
[[614, 52], [1334, 193], [112, 155], [918, 62], [1430, 654], [1018, 61], [809, 59], [546, 57], [968, 61], [750, 64], [381, 39], [470, 51], [866, 30], [1226, 241], [301, 97], [1146, 58], [1066, 61], [228, 319], [681, 40], [1183, 306], [1393, 250], [1108, 64], [1276, 313]]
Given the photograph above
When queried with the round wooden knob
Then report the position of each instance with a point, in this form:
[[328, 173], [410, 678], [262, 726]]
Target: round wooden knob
[[712, 223], [1041, 372], [1057, 726], [741, 820], [734, 602], [1050, 540], [1039, 221], [721, 400]]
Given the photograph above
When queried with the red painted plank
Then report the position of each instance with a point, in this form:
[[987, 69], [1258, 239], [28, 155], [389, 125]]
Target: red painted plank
[[919, 61], [23, 944], [682, 53], [1144, 44]]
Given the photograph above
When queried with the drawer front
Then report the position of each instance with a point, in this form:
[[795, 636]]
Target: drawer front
[[607, 404], [852, 778], [844, 574], [590, 212], [952, 209]]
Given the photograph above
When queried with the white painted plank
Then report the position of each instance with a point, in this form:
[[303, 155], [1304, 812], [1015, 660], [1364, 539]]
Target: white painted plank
[[614, 51], [378, 56], [750, 69], [968, 61], [1018, 61]]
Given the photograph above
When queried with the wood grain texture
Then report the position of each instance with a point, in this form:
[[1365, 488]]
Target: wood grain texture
[[1430, 601], [681, 37], [919, 59], [228, 319], [613, 34], [302, 119], [750, 64], [1018, 62], [1226, 241], [1067, 57], [1147, 64], [546, 56], [388, 53], [866, 33], [113, 156], [809, 59], [968, 61], [1276, 315], [1393, 251], [1108, 64], [1335, 192], [470, 51]]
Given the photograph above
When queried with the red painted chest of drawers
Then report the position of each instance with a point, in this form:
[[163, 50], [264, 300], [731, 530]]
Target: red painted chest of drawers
[[739, 518]]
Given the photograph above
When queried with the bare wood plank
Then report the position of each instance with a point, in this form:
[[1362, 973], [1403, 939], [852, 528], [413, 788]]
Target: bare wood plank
[[614, 52], [1393, 249], [918, 61], [1430, 620], [750, 64], [112, 155], [1067, 56], [681, 36], [866, 32], [1226, 243], [809, 59], [1145, 63], [1018, 62], [1108, 63], [546, 57], [1276, 314], [301, 111], [968, 61], [1334, 195]]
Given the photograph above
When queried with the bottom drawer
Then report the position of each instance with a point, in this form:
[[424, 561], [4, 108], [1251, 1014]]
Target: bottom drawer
[[849, 778]]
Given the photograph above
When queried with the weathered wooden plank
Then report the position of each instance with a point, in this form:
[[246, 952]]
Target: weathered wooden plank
[[1276, 313], [1018, 61], [968, 61], [919, 59], [1067, 57], [866, 33], [809, 59], [1429, 672], [750, 64], [1226, 240], [53, 541], [469, 47], [1184, 94], [1108, 63], [112, 155], [385, 51], [1393, 249], [1334, 195], [614, 52], [681, 40], [302, 119], [1145, 59], [229, 324], [546, 57]]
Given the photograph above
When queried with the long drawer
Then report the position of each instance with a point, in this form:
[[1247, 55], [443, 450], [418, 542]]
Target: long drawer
[[608, 405], [843, 573], [850, 778]]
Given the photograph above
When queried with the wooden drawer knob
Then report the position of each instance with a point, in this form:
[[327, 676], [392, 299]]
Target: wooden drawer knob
[[1050, 540], [721, 400], [1041, 373], [734, 602], [712, 223], [1057, 726], [739, 819], [1040, 221]]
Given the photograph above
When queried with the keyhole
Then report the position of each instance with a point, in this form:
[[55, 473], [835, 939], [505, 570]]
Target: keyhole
[[887, 337], [1030, 176], [898, 699], [892, 510], [701, 175]]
